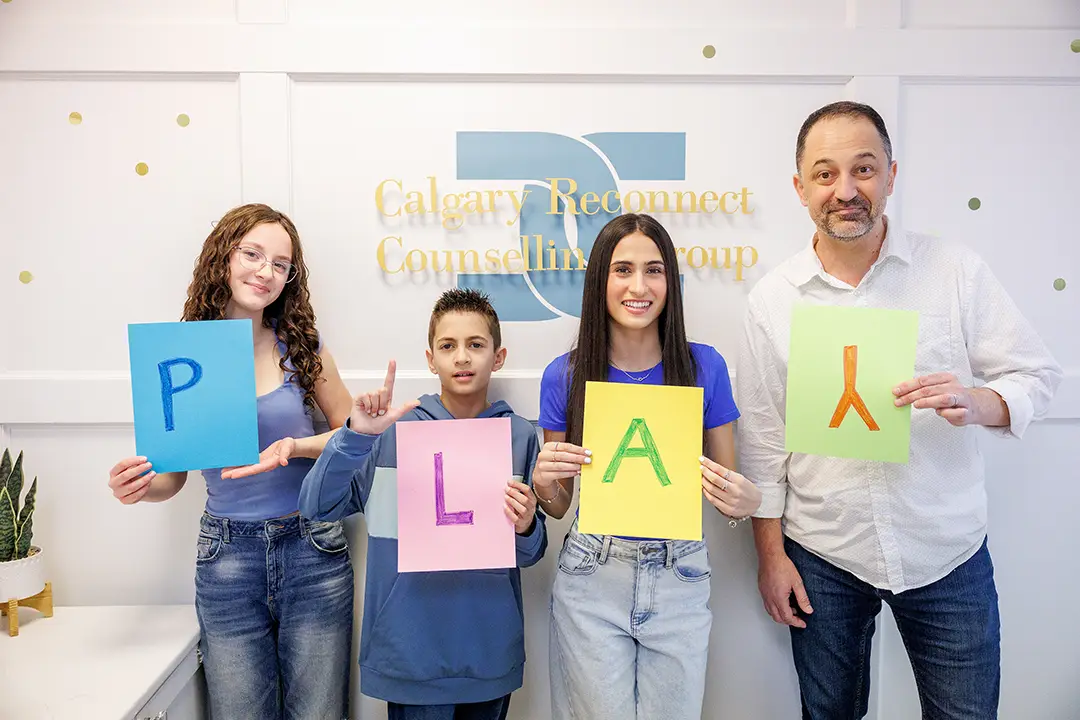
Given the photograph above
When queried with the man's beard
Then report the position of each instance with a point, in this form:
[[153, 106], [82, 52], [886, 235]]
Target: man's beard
[[851, 228]]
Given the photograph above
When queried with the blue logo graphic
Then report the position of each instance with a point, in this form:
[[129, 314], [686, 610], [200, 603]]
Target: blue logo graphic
[[541, 294]]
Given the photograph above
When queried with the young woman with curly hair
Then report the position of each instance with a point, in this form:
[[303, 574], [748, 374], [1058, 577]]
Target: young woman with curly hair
[[273, 592]]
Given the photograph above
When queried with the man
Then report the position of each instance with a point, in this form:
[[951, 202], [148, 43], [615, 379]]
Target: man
[[835, 537]]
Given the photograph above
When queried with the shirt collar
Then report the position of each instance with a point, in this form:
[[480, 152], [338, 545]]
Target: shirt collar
[[806, 265]]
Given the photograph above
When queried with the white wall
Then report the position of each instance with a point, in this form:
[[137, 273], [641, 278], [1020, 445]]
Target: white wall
[[308, 104]]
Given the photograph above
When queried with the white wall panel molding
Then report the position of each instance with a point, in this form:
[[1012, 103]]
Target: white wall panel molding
[[875, 14], [262, 11], [514, 52]]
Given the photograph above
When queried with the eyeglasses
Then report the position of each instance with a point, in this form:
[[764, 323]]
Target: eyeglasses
[[253, 259]]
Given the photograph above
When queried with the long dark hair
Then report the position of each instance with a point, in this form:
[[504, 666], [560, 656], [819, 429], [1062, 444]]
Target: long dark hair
[[591, 353], [209, 294]]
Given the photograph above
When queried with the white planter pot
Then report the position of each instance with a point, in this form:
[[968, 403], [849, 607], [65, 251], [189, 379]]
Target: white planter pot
[[22, 578]]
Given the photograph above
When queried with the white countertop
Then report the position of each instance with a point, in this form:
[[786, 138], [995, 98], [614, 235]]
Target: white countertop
[[91, 663]]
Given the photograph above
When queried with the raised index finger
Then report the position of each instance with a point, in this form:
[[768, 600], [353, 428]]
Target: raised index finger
[[391, 373]]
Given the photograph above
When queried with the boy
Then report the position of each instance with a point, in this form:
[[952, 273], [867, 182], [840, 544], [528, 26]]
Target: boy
[[434, 642]]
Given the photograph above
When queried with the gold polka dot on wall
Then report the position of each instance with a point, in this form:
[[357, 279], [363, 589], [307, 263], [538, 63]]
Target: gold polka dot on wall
[[1075, 44], [974, 203], [25, 276], [709, 52], [142, 168], [75, 118], [1059, 284], [183, 120]]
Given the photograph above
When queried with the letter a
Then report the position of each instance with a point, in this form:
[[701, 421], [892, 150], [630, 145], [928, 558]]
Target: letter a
[[851, 395], [647, 451], [168, 389]]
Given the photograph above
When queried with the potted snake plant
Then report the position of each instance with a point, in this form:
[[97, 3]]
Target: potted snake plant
[[22, 571]]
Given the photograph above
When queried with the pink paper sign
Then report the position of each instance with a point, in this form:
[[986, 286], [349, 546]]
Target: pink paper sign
[[451, 490]]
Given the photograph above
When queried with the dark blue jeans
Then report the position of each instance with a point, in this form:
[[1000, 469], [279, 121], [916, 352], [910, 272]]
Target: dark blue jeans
[[275, 605], [950, 629], [489, 710]]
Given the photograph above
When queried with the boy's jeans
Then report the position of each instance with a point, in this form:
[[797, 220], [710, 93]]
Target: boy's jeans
[[950, 628], [490, 710], [630, 626], [275, 604]]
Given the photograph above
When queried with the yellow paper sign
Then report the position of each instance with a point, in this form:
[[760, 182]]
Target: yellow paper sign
[[645, 477]]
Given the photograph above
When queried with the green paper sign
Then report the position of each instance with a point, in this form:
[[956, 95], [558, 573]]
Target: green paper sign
[[843, 365]]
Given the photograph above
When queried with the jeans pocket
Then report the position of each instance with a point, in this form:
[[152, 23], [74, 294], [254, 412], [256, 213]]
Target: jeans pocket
[[207, 548], [327, 537], [576, 559], [694, 566]]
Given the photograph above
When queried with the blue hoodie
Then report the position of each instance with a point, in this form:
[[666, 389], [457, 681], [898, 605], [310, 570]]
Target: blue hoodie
[[428, 638]]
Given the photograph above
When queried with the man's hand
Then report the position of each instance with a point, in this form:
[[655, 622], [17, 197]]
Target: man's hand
[[960, 405], [777, 580]]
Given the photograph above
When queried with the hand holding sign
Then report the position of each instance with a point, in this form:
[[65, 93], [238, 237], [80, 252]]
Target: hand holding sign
[[520, 506], [943, 393], [130, 479], [373, 412], [558, 461], [728, 491]]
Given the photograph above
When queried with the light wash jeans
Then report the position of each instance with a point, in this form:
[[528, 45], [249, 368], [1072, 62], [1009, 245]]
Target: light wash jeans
[[630, 626], [275, 605]]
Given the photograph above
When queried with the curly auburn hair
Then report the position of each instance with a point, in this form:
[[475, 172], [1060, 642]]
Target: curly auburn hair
[[208, 294]]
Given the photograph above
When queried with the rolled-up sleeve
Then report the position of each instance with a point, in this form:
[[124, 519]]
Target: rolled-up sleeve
[[1005, 351], [760, 389]]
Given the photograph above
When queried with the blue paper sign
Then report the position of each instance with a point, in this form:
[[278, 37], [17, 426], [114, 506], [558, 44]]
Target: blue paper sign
[[193, 394]]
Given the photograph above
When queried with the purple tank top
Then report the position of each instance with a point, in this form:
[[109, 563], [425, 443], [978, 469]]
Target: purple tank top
[[276, 492]]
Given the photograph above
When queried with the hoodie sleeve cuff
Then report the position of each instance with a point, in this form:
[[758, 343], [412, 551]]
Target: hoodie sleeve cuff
[[529, 543], [349, 442]]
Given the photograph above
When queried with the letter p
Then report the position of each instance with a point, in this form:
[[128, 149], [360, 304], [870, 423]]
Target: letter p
[[168, 389]]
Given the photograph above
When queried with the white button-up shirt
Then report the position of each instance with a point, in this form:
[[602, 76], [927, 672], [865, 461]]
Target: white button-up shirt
[[894, 526]]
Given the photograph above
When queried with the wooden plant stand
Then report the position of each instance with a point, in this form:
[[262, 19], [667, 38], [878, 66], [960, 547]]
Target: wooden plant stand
[[42, 602]]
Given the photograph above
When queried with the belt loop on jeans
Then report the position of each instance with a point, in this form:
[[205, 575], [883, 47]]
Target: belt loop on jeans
[[225, 530], [605, 549], [669, 553]]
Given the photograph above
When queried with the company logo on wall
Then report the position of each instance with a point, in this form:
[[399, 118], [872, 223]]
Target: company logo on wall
[[570, 193]]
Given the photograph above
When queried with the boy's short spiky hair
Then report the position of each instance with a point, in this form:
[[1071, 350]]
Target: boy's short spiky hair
[[466, 300]]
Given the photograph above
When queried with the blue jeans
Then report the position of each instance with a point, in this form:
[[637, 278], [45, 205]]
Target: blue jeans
[[490, 710], [275, 605], [950, 628], [630, 625]]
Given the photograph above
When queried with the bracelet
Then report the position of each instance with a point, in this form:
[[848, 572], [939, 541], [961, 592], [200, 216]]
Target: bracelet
[[548, 501], [735, 522]]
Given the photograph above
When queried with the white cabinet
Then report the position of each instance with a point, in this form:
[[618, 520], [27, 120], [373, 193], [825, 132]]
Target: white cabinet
[[103, 663]]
